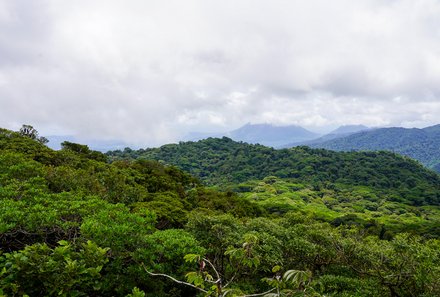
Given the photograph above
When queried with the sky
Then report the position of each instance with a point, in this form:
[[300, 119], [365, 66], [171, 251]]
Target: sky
[[148, 72]]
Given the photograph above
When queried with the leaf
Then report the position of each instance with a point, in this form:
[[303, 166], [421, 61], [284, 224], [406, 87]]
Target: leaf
[[276, 268], [196, 279], [191, 258], [63, 243], [297, 277]]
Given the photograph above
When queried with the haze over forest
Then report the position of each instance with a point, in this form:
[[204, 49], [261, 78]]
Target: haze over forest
[[147, 73]]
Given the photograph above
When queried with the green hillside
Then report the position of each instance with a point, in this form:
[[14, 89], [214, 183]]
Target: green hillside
[[337, 205], [223, 161], [76, 222], [420, 144]]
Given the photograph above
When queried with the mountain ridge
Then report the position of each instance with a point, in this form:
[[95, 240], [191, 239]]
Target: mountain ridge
[[420, 144], [265, 134], [339, 132], [344, 129]]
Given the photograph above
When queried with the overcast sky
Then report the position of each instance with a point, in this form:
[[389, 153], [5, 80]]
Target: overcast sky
[[147, 72]]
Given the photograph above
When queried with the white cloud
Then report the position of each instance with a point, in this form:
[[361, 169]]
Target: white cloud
[[149, 71]]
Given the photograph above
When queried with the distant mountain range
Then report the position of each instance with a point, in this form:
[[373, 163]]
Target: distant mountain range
[[342, 131], [420, 144], [265, 134], [349, 129]]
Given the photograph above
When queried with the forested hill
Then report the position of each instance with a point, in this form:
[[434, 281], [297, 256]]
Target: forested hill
[[420, 144], [72, 223], [222, 161]]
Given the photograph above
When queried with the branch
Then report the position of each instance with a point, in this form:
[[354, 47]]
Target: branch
[[213, 267], [230, 281], [173, 279]]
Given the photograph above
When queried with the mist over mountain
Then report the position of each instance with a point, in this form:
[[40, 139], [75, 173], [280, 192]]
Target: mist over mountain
[[342, 131], [270, 135], [345, 129], [265, 134]]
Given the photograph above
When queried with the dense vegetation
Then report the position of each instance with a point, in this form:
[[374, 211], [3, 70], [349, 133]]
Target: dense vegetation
[[74, 224], [221, 161], [419, 144]]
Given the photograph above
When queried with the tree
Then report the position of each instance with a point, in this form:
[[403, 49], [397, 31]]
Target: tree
[[32, 133]]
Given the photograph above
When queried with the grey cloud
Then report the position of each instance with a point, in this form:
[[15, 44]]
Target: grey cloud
[[148, 72], [23, 32]]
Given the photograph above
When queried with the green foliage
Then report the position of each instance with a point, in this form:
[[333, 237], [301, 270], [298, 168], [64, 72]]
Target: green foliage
[[344, 206], [62, 271], [118, 229], [163, 251], [48, 218], [169, 209], [292, 283], [215, 232], [83, 150], [341, 285], [343, 224], [406, 265], [136, 293], [223, 161], [246, 254]]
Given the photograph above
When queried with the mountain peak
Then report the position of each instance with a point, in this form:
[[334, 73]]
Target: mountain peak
[[349, 129], [262, 133], [271, 135]]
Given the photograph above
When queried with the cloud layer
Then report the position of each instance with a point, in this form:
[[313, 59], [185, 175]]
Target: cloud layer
[[149, 71]]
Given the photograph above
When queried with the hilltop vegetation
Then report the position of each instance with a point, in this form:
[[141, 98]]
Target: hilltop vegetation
[[74, 196], [338, 205], [72, 223], [222, 161], [419, 144]]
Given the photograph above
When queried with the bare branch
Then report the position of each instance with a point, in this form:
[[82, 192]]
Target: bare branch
[[213, 267], [173, 279]]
